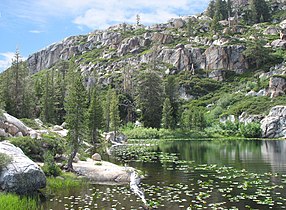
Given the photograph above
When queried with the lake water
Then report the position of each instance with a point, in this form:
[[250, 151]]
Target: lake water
[[194, 174]]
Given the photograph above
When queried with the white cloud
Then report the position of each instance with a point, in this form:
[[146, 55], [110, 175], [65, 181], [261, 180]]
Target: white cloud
[[35, 31], [103, 14], [6, 60]]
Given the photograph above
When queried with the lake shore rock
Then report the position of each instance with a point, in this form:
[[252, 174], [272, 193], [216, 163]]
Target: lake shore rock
[[103, 172], [22, 175]]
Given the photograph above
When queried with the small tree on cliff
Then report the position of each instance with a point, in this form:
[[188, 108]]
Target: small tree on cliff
[[75, 103]]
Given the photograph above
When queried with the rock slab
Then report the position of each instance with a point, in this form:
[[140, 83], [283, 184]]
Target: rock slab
[[274, 125], [22, 175]]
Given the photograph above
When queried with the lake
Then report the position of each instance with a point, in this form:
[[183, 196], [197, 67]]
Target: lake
[[194, 174]]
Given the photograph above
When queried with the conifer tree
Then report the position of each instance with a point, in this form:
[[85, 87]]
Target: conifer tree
[[149, 98], [259, 11], [106, 110], [95, 116], [114, 112], [167, 118], [75, 107]]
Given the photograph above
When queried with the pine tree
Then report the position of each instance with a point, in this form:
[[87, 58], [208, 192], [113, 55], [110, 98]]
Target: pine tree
[[167, 118], [211, 9], [149, 98], [172, 92], [114, 112], [75, 105], [47, 99], [259, 11], [106, 109], [95, 116], [59, 95]]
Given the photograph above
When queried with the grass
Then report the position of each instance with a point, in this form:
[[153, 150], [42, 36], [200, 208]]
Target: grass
[[152, 133], [14, 202], [67, 181]]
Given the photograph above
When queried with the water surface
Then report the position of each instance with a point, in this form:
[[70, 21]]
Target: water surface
[[194, 174]]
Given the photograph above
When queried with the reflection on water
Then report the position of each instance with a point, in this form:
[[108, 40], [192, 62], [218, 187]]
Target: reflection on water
[[274, 152], [200, 174]]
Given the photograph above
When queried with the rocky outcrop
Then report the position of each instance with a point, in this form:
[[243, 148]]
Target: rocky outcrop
[[274, 124], [246, 118], [11, 126], [103, 172], [228, 58], [277, 86], [119, 138], [279, 43], [22, 175]]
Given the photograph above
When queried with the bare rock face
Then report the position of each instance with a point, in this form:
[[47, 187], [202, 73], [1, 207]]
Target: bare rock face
[[245, 118], [274, 125], [162, 38], [271, 31], [22, 175], [228, 58], [279, 43], [277, 86]]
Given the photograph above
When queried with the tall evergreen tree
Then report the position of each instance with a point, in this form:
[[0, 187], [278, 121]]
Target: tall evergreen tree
[[259, 11], [75, 106], [114, 112], [167, 118], [106, 109], [95, 116], [211, 9], [172, 92], [149, 98]]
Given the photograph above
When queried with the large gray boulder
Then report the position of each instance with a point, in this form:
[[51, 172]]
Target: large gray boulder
[[15, 124], [22, 175], [274, 125]]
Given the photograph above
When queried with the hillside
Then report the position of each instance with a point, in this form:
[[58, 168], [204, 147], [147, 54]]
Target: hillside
[[229, 69]]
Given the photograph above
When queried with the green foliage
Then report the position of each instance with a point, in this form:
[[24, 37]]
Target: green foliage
[[167, 119], [35, 148], [4, 160], [95, 117], [194, 118], [31, 123], [259, 11], [10, 201], [50, 168], [67, 181], [251, 130], [256, 53], [149, 98], [114, 112], [75, 107], [17, 92], [141, 133]]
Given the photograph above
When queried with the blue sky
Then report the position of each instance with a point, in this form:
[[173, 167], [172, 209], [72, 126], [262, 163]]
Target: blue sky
[[31, 25]]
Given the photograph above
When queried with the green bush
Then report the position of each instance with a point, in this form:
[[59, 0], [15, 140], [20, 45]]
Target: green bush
[[50, 168], [142, 133], [4, 160], [30, 123], [35, 148], [250, 130]]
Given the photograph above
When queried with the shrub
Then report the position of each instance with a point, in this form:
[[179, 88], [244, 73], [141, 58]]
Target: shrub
[[250, 130], [50, 168], [35, 148], [31, 123], [4, 160], [142, 133]]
